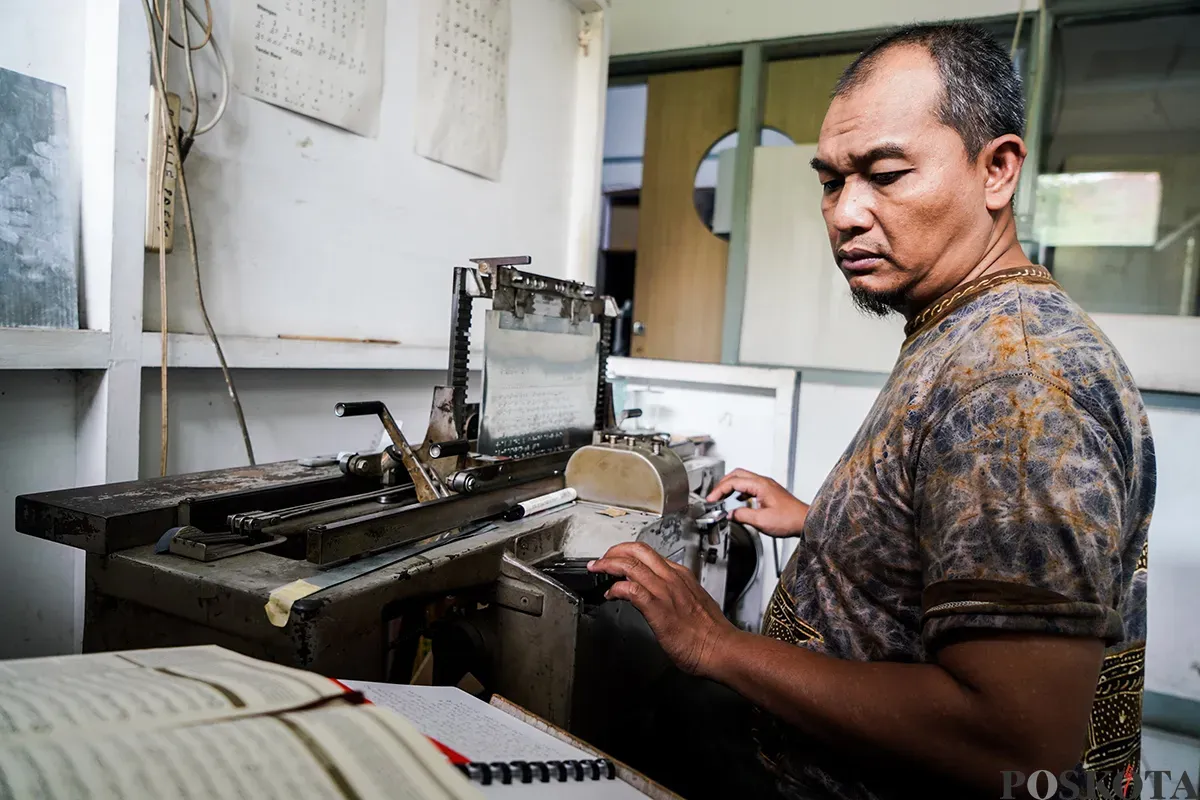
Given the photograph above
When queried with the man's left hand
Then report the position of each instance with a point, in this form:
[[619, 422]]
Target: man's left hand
[[685, 618]]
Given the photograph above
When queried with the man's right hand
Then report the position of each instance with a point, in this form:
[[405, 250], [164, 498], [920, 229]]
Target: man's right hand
[[778, 512]]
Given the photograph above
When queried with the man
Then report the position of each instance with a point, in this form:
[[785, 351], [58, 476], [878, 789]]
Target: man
[[968, 591]]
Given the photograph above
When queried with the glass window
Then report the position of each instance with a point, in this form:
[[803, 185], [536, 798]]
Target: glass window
[[1123, 234]]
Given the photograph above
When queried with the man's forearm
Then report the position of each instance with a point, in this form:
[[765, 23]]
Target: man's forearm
[[917, 712]]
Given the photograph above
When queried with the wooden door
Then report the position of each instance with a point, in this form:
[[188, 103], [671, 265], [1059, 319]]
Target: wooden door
[[679, 294], [679, 291], [798, 94]]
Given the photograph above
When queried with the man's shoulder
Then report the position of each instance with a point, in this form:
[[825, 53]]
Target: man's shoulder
[[1031, 331]]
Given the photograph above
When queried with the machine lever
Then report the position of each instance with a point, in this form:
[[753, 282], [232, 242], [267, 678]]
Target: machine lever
[[368, 408], [629, 413], [426, 481]]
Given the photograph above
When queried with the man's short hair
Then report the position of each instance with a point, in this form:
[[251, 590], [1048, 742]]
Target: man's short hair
[[981, 91]]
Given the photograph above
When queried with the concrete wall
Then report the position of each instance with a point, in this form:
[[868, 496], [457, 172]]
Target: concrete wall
[[647, 26], [289, 414], [307, 229]]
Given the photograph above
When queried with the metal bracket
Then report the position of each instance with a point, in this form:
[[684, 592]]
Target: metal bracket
[[193, 543], [518, 596]]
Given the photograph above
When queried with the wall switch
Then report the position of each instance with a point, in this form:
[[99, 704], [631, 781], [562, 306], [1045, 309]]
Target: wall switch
[[160, 197]]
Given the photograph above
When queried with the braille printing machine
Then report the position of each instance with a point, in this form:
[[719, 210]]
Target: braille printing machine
[[458, 561]]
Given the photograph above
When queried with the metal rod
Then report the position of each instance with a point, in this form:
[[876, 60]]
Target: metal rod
[[248, 522], [339, 541], [457, 447], [1187, 297], [1035, 114]]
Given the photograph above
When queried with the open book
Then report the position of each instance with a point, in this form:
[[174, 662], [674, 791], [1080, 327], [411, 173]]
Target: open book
[[204, 722]]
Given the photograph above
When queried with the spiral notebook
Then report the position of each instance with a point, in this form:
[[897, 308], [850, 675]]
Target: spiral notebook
[[506, 756]]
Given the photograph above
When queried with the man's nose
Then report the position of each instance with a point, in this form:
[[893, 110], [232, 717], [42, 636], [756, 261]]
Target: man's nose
[[852, 211]]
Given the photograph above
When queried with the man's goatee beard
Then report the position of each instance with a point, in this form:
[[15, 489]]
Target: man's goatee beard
[[877, 304]]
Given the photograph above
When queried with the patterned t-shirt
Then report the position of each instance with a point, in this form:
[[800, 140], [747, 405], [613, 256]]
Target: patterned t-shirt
[[1003, 480]]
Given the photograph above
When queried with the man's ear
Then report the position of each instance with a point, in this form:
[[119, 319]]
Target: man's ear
[[1001, 160]]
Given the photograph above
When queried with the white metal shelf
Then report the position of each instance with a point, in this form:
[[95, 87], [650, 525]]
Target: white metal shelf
[[51, 348], [191, 350], [773, 378]]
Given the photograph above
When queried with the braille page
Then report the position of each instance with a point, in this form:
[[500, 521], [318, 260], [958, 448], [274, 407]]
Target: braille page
[[320, 58], [462, 84], [468, 725], [482, 733]]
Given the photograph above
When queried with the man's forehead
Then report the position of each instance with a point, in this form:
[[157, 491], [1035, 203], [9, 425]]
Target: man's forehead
[[896, 103]]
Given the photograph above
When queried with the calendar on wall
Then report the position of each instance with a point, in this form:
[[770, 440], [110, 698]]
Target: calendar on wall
[[462, 84], [320, 58]]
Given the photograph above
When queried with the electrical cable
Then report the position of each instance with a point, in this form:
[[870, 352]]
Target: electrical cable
[[191, 231], [193, 95], [212, 334], [1012, 51], [171, 137], [208, 26], [224, 67], [210, 39], [165, 123]]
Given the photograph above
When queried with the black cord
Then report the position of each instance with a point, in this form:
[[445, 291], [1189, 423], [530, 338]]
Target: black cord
[[185, 145]]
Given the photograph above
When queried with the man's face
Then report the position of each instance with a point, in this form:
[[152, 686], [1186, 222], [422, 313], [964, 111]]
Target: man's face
[[903, 205]]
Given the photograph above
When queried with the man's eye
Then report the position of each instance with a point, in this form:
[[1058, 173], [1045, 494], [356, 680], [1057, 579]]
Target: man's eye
[[832, 186], [886, 178]]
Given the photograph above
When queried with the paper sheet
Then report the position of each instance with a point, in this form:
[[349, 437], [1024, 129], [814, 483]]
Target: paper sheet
[[466, 724], [320, 58], [481, 732], [462, 84], [147, 688], [333, 753]]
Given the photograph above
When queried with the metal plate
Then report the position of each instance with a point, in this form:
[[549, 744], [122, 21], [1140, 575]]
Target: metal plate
[[39, 273], [539, 384]]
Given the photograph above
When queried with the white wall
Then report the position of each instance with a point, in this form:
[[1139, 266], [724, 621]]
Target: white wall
[[1173, 637], [289, 414], [798, 307], [37, 454], [306, 229], [646, 26]]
